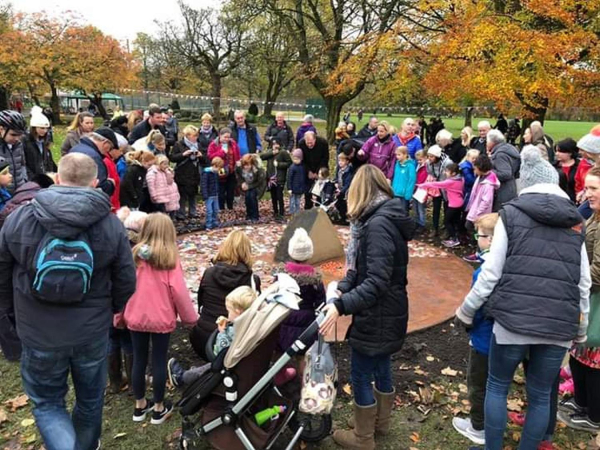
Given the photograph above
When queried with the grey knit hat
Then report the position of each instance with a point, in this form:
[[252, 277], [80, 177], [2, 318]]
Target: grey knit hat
[[591, 141], [535, 169], [300, 247]]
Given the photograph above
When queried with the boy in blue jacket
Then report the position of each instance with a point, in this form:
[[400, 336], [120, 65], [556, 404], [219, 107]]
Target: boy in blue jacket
[[209, 184], [481, 335]]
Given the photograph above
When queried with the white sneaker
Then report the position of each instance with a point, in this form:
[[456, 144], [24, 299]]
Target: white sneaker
[[464, 427]]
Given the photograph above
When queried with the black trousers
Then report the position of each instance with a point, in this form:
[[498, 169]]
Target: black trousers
[[587, 388], [160, 348], [227, 191], [477, 380], [277, 200], [438, 203], [452, 221]]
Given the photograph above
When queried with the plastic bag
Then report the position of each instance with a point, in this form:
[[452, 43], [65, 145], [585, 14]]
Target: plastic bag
[[319, 380]]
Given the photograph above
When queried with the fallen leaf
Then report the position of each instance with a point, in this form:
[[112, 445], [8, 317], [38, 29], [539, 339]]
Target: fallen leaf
[[30, 439], [404, 367], [3, 416], [420, 372], [119, 435], [516, 436], [582, 446], [515, 404], [518, 379], [449, 372], [463, 388], [27, 422], [347, 389], [426, 395], [17, 402], [430, 358], [415, 437]]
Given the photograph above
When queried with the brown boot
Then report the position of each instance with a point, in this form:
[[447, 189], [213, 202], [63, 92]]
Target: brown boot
[[128, 371], [115, 375], [363, 436], [385, 405]]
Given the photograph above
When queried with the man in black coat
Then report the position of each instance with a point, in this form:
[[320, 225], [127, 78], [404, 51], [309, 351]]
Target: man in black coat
[[155, 121], [315, 150], [281, 132], [368, 131]]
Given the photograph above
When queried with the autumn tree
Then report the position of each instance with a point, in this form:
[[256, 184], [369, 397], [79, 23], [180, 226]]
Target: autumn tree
[[210, 41], [529, 53], [339, 43]]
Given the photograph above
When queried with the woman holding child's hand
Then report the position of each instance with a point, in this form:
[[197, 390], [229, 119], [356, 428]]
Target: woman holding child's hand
[[374, 293]]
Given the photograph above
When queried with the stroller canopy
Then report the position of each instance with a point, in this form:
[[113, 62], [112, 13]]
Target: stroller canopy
[[266, 313]]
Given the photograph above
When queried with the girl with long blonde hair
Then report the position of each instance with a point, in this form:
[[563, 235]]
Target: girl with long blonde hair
[[151, 313], [374, 292], [82, 124]]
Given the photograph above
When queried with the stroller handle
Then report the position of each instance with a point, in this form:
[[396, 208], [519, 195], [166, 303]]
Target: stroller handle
[[308, 335]]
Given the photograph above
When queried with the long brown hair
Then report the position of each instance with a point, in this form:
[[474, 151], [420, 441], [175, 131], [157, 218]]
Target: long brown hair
[[236, 249], [78, 120], [367, 184], [595, 172], [158, 243]]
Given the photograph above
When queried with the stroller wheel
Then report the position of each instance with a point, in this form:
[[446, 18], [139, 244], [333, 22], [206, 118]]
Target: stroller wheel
[[316, 427]]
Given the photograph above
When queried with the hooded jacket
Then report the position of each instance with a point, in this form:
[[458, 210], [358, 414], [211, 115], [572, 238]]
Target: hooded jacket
[[404, 179], [506, 162], [375, 293], [217, 282], [481, 200], [15, 156], [22, 196], [302, 129], [259, 181], [65, 212], [380, 154], [453, 189], [89, 148], [162, 188]]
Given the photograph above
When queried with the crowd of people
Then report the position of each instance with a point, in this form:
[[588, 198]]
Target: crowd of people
[[88, 246]]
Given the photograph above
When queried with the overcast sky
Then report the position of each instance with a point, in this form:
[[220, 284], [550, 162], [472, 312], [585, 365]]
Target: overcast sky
[[121, 19]]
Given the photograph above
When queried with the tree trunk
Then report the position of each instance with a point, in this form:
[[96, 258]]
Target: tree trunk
[[469, 117], [96, 100], [216, 95], [334, 108], [533, 113], [55, 105], [270, 98], [4, 100]]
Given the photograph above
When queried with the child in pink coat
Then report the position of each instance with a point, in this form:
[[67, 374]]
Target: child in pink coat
[[453, 186], [482, 195], [151, 313], [162, 187]]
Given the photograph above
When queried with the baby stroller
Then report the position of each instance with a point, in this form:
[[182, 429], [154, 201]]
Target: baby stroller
[[220, 406]]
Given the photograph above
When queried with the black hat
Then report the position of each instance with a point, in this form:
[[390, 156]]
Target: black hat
[[109, 134]]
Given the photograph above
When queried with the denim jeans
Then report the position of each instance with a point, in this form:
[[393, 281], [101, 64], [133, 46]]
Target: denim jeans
[[543, 367], [366, 368], [420, 212], [45, 374], [160, 348], [295, 200], [212, 212], [251, 198]]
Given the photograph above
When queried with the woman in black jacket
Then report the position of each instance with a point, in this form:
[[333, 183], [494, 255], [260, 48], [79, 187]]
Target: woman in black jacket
[[134, 181], [36, 146], [374, 292], [188, 159], [232, 267]]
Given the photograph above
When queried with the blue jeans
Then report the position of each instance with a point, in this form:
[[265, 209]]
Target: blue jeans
[[251, 197], [45, 374], [420, 211], [295, 200], [366, 368], [544, 364], [585, 210], [212, 212]]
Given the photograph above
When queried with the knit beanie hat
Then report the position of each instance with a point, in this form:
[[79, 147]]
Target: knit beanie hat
[[38, 119], [300, 247], [535, 169], [435, 150], [297, 153], [591, 141]]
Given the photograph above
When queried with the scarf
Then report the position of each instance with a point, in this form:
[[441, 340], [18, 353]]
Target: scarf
[[191, 145], [356, 229], [404, 140], [206, 130]]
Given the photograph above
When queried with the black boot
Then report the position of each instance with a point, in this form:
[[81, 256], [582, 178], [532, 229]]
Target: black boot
[[115, 375]]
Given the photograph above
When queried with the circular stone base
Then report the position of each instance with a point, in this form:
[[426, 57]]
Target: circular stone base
[[437, 280]]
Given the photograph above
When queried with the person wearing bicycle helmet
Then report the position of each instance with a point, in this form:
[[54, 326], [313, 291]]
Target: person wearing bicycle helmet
[[12, 127]]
